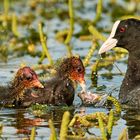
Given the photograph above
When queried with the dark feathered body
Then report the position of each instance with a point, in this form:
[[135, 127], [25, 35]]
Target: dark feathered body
[[130, 88], [57, 91], [126, 34], [10, 93]]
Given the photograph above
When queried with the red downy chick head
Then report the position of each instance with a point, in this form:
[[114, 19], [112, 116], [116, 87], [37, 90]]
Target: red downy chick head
[[28, 78]]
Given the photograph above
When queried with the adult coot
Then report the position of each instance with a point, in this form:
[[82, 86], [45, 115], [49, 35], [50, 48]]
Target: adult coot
[[126, 34]]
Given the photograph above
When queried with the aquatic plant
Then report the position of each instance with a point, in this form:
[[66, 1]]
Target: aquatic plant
[[71, 15], [64, 125], [6, 7], [45, 51], [98, 11], [53, 135], [105, 124], [123, 135], [33, 134], [14, 25]]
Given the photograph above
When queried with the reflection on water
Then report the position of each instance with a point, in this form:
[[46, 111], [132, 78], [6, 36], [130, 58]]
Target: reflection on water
[[19, 122], [132, 117]]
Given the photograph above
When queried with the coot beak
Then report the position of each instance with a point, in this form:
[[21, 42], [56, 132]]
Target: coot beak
[[37, 84], [82, 84], [110, 42]]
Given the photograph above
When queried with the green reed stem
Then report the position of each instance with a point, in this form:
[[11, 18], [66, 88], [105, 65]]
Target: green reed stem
[[42, 57], [53, 135], [72, 122], [124, 135], [70, 32], [61, 34], [101, 126], [110, 123], [94, 73], [33, 133], [6, 7], [45, 51], [64, 125], [14, 25], [98, 11], [115, 103], [69, 50], [96, 34], [71, 15], [94, 67], [90, 54]]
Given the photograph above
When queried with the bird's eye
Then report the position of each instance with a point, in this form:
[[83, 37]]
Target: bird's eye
[[122, 29], [28, 78], [79, 69]]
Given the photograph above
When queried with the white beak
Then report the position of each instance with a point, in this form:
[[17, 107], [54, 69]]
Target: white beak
[[110, 42], [83, 85]]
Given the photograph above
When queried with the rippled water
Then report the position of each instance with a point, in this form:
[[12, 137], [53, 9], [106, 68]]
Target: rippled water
[[18, 122]]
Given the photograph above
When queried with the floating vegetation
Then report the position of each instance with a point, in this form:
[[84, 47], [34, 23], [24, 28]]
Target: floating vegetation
[[38, 109], [100, 120]]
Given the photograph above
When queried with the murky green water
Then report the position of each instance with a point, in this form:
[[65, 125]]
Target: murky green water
[[54, 14]]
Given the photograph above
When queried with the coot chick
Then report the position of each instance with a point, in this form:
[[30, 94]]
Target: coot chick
[[25, 78], [126, 34], [61, 88]]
